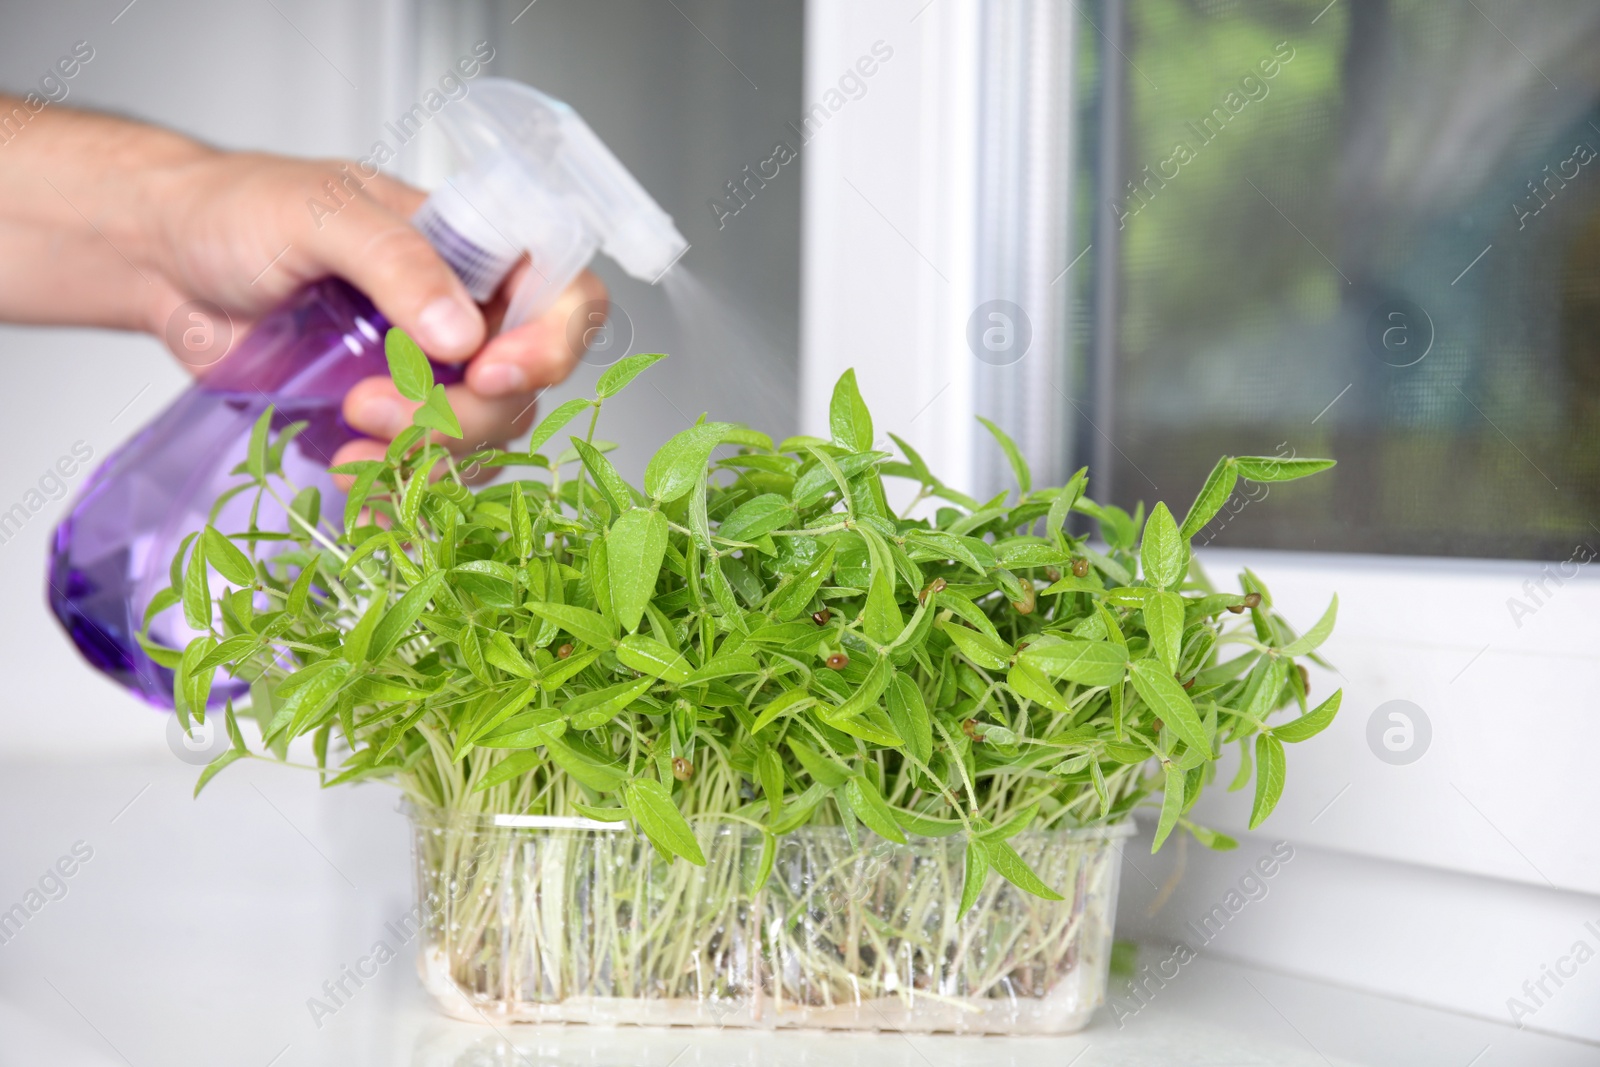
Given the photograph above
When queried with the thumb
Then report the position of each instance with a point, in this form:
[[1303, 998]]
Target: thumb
[[374, 247]]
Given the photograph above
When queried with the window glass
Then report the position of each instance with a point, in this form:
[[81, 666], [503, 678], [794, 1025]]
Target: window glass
[[1367, 230]]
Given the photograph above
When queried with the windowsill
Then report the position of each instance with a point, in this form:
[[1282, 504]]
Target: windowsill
[[199, 930]]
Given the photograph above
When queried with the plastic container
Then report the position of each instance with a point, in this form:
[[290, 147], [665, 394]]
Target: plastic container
[[538, 183], [581, 922]]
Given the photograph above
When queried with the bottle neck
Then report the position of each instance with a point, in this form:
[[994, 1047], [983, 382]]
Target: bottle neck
[[480, 257]]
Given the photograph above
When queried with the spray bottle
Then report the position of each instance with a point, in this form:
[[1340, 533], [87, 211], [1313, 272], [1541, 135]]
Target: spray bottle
[[537, 182]]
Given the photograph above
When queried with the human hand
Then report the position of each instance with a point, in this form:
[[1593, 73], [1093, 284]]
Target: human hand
[[223, 216]]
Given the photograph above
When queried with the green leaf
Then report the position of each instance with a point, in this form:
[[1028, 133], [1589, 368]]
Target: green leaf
[[635, 546], [1092, 663], [881, 618], [1162, 554], [976, 872], [1171, 804], [471, 647], [926, 825], [753, 518], [652, 808], [831, 474], [600, 706], [359, 492], [1030, 683], [674, 469], [619, 374], [1020, 555], [919, 466], [1013, 825], [309, 699], [935, 544], [909, 713], [521, 523], [403, 616], [1241, 777], [300, 591], [862, 794], [828, 773], [552, 423], [605, 814], [1019, 466], [606, 479], [502, 652], [1270, 766], [1010, 866], [227, 651], [1219, 486], [1212, 839], [769, 771], [196, 590], [981, 649], [359, 639], [191, 684], [1163, 617], [872, 726], [649, 656], [1062, 504], [1167, 699], [564, 670], [1312, 722], [836, 473], [799, 812], [790, 700], [493, 714], [1274, 469], [587, 626], [1097, 778], [795, 596], [256, 455], [416, 491], [214, 768], [512, 766], [970, 612], [1266, 681], [523, 730], [599, 579], [227, 560], [599, 775], [867, 695], [725, 665], [403, 443], [163, 599], [1313, 638], [306, 507], [763, 871], [848, 418], [412, 374], [436, 414]]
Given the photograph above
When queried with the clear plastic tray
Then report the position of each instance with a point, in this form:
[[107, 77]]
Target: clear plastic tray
[[565, 921]]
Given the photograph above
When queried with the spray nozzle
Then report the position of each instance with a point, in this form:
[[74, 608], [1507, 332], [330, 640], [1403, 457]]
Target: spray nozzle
[[539, 181]]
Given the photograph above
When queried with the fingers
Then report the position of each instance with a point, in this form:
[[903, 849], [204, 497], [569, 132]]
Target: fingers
[[543, 351], [371, 244], [376, 408]]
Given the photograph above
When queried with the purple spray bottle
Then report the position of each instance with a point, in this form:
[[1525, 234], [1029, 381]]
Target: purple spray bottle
[[537, 181]]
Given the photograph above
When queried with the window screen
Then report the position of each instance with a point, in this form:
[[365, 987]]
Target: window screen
[[1368, 230]]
